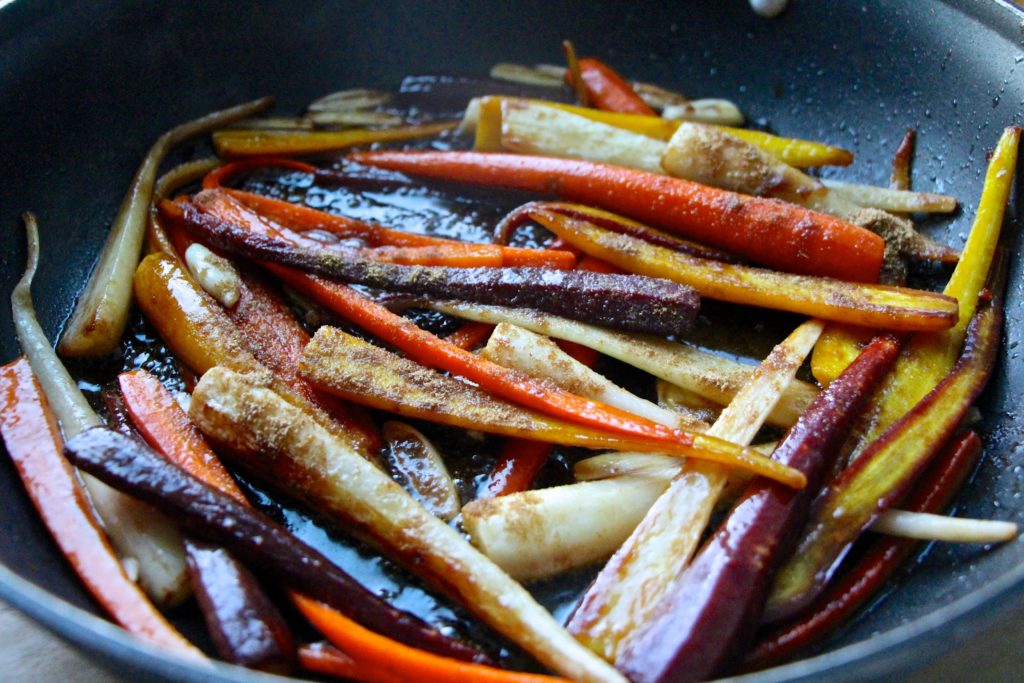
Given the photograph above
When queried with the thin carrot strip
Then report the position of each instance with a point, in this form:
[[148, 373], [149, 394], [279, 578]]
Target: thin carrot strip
[[403, 662], [34, 444], [780, 235], [236, 142], [165, 426], [302, 218]]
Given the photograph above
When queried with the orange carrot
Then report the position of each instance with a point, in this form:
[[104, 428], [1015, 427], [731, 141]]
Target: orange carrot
[[324, 658], [608, 90], [783, 236], [456, 255], [217, 177], [302, 218], [403, 663], [165, 426], [34, 444], [470, 335]]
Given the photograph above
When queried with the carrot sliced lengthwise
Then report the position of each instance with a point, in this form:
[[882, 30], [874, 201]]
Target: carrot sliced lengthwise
[[883, 557], [607, 90], [238, 142], [881, 306], [386, 661], [33, 442], [302, 218], [712, 609], [770, 232], [346, 366]]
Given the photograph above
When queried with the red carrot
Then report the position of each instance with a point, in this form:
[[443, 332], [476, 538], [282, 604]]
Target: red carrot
[[608, 90], [34, 444], [784, 236]]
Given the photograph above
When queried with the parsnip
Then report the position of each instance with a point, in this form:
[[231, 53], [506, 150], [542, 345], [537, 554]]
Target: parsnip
[[537, 356], [272, 436], [629, 587], [713, 377]]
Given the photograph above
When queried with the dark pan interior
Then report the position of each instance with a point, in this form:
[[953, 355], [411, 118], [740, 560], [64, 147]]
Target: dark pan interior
[[86, 87]]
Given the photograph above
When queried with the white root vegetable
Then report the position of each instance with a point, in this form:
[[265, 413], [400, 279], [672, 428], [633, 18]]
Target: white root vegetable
[[713, 377], [101, 314], [929, 527], [531, 128], [144, 538], [711, 156], [888, 199], [415, 459], [539, 357], [537, 534], [714, 111], [215, 274], [629, 587], [350, 100], [518, 73], [270, 435], [354, 118]]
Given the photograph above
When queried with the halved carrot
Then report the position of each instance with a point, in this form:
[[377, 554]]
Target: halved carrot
[[780, 235], [401, 662], [302, 218], [238, 142], [34, 444]]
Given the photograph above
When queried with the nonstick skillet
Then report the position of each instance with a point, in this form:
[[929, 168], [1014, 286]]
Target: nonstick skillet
[[86, 87]]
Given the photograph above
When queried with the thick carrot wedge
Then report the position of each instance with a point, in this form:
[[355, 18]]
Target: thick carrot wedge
[[770, 232], [881, 306], [34, 444]]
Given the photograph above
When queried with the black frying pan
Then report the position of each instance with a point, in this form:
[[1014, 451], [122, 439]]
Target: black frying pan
[[86, 87]]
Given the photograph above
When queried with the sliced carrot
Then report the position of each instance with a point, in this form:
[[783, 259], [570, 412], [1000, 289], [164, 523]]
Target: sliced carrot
[[237, 142], [400, 661], [34, 444], [784, 236], [165, 426], [607, 90], [302, 218], [470, 335], [324, 658]]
